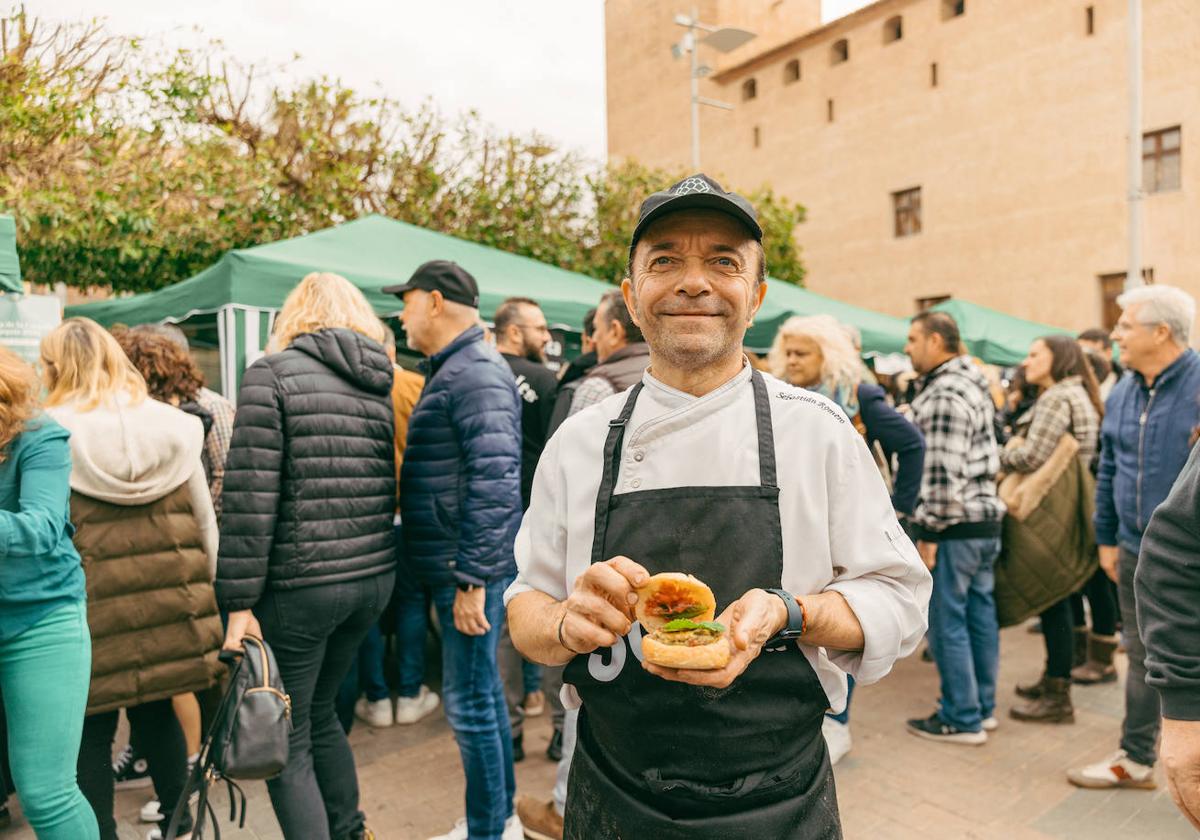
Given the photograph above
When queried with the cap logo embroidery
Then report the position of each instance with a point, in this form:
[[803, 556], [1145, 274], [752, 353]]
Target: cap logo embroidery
[[692, 185]]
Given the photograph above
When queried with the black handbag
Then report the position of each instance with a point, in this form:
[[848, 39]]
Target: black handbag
[[248, 738]]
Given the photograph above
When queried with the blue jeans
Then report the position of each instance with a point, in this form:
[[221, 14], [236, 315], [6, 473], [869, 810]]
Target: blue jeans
[[531, 676], [44, 676], [843, 717], [963, 632], [475, 708]]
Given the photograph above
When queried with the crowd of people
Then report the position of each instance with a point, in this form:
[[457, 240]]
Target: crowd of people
[[510, 510]]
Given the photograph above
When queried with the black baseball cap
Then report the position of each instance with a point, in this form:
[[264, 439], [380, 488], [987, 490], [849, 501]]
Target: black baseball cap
[[451, 279], [696, 192]]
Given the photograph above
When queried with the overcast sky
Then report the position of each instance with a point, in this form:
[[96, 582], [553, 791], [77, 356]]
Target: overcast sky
[[461, 54]]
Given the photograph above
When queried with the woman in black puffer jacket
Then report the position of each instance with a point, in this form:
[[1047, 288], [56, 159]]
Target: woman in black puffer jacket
[[307, 551]]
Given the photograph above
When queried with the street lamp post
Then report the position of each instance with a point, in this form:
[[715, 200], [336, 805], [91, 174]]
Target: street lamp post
[[721, 38], [1133, 276]]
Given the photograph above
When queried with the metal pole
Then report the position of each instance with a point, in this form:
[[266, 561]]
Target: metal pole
[[1133, 274], [695, 44]]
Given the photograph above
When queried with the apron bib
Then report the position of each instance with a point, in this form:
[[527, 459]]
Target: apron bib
[[664, 760]]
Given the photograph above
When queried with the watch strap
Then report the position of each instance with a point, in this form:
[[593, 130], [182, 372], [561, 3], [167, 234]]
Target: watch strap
[[796, 619]]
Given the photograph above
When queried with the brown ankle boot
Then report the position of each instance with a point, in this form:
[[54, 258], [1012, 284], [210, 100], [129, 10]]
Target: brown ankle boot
[[1054, 706], [1099, 667], [1079, 650], [1034, 690]]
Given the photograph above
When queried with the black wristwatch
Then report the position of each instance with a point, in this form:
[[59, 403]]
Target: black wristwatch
[[466, 587], [796, 620]]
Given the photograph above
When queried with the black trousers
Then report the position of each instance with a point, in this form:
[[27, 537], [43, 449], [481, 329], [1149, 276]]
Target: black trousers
[[160, 741], [1101, 593], [315, 632], [1059, 634]]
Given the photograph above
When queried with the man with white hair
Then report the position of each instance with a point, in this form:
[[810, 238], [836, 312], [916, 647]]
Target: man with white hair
[[1145, 439]]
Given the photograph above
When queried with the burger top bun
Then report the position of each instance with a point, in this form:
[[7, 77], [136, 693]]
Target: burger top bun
[[672, 593]]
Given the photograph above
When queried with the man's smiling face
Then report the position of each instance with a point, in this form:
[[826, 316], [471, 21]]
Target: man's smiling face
[[694, 286]]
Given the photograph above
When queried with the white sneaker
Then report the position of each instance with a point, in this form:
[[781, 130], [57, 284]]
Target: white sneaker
[[1116, 771], [990, 724], [837, 738], [376, 713], [513, 830], [413, 709]]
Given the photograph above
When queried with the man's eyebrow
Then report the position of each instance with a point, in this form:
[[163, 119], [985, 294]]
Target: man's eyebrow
[[719, 248]]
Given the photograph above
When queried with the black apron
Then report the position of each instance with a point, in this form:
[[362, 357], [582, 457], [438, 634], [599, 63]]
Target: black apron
[[663, 760]]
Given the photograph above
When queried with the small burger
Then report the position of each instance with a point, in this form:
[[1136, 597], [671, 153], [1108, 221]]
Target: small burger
[[676, 611]]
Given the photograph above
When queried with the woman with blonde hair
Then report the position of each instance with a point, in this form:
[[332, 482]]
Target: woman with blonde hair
[[307, 556], [816, 352], [147, 535], [45, 650]]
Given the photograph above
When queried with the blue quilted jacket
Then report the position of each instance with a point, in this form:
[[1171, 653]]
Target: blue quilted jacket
[[460, 484], [1143, 447]]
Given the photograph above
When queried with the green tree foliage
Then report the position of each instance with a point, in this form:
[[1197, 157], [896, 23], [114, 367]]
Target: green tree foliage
[[134, 170]]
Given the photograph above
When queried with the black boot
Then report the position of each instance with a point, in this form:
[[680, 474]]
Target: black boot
[[554, 751], [519, 748], [1054, 706], [1033, 691]]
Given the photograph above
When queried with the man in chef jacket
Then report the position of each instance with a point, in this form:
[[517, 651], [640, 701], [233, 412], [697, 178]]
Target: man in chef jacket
[[763, 491]]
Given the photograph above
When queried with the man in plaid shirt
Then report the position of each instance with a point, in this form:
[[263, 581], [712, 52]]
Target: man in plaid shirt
[[957, 527]]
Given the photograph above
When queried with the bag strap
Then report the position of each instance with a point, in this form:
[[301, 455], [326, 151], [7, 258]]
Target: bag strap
[[205, 771]]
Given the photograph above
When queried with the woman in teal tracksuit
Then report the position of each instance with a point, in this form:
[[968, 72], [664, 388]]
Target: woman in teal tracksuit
[[45, 647]]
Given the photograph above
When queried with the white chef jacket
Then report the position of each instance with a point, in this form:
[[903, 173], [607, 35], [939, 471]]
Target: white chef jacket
[[839, 530]]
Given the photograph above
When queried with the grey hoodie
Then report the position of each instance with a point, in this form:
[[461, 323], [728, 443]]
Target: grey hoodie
[[134, 454]]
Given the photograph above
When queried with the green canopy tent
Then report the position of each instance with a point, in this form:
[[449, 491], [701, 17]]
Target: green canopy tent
[[880, 333], [10, 266], [996, 338], [232, 304]]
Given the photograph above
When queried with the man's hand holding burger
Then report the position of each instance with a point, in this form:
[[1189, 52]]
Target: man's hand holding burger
[[599, 611], [752, 620]]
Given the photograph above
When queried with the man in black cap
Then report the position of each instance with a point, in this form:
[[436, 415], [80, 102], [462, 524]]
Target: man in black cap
[[460, 502], [764, 492]]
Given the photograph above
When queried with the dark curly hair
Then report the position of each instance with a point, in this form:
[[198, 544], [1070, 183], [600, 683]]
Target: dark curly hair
[[170, 372]]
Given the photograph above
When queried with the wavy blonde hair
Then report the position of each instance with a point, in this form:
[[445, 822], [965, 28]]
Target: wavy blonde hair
[[321, 301], [84, 365], [18, 398], [841, 364]]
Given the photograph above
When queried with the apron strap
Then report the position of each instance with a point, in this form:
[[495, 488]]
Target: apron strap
[[766, 435], [612, 463]]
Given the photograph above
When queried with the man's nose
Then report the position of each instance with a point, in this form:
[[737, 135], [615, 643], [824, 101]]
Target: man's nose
[[694, 280]]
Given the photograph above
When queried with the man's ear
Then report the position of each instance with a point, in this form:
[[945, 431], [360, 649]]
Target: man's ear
[[630, 296], [437, 303], [760, 294]]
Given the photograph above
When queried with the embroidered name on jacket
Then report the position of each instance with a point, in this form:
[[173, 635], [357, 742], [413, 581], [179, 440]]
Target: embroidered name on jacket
[[821, 404]]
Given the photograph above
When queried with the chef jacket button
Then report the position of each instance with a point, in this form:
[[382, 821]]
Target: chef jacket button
[[639, 455], [636, 483]]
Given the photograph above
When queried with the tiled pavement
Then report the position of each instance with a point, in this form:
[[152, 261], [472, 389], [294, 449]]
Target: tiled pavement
[[891, 785]]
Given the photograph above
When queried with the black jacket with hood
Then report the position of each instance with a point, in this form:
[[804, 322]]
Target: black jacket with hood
[[310, 481]]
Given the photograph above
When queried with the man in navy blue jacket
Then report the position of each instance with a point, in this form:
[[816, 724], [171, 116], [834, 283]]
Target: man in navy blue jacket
[[460, 501], [1148, 422]]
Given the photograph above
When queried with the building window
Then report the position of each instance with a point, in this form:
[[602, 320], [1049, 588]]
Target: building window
[[933, 75], [893, 29], [791, 71], [829, 110], [839, 52], [1111, 288], [953, 8], [906, 208], [926, 303], [1091, 20], [757, 137], [1161, 163], [749, 90]]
